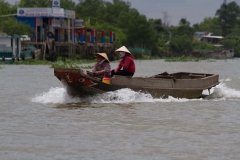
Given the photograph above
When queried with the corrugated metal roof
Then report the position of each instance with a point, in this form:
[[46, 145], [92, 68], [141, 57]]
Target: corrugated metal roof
[[17, 36], [219, 37], [3, 34]]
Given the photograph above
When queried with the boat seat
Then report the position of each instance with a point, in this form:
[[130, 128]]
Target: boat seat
[[193, 76], [163, 75]]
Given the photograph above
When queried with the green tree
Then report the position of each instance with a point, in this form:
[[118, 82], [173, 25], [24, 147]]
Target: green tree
[[228, 15], [138, 30], [181, 45], [196, 27], [203, 46], [183, 21], [6, 8], [35, 3], [11, 26], [210, 25], [185, 30], [68, 4], [235, 30], [232, 42], [162, 36], [88, 8], [8, 23], [157, 25]]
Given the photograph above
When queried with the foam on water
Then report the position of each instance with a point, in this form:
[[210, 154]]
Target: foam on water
[[60, 96], [55, 95], [222, 91]]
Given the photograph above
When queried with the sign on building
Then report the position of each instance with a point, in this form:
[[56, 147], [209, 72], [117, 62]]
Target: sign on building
[[78, 22], [58, 12], [34, 12], [55, 3]]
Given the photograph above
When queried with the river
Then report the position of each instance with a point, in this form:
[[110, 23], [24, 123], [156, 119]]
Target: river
[[40, 121]]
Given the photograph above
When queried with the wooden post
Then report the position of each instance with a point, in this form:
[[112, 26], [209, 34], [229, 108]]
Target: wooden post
[[44, 53], [73, 37], [68, 29]]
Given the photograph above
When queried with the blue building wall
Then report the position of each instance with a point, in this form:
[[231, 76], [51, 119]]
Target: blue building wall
[[29, 21]]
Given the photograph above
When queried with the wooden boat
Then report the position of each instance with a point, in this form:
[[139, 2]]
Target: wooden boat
[[29, 52], [7, 56], [178, 85], [218, 54]]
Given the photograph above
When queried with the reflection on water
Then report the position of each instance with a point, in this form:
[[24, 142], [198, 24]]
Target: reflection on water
[[79, 105], [90, 105], [74, 105]]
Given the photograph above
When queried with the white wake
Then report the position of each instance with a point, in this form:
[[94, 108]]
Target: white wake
[[60, 96]]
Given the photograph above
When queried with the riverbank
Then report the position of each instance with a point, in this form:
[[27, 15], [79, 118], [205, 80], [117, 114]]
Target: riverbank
[[77, 63]]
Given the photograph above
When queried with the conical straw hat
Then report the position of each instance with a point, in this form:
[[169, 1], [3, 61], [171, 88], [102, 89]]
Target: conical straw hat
[[104, 55], [122, 49]]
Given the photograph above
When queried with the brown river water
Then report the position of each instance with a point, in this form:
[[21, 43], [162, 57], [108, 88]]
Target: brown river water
[[39, 121]]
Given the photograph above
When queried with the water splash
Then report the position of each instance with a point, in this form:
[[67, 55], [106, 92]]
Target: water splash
[[55, 95], [122, 96], [59, 95], [222, 91]]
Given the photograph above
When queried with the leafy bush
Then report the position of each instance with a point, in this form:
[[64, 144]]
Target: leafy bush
[[202, 46], [232, 42], [181, 45]]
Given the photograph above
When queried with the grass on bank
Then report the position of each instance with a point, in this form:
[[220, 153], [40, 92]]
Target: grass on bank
[[59, 63], [175, 59], [78, 63], [184, 59]]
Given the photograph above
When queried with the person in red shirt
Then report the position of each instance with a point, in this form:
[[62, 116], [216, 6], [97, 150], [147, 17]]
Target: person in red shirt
[[126, 66]]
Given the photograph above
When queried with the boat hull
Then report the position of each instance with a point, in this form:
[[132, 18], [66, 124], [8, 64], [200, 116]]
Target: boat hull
[[178, 85]]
